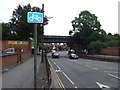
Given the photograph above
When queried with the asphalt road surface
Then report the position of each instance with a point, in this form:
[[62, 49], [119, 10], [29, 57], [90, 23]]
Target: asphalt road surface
[[84, 73]]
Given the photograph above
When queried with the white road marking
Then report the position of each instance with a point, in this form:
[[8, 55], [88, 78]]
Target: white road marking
[[79, 63], [88, 66], [58, 71], [91, 67], [64, 73], [103, 66], [69, 79], [58, 79], [58, 67], [72, 60], [102, 85], [54, 63], [94, 68], [114, 76], [111, 72], [51, 59], [76, 87]]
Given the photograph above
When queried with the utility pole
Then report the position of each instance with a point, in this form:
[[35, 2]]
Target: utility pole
[[42, 38], [31, 18], [35, 56]]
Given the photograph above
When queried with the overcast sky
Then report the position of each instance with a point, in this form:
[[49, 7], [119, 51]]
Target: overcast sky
[[64, 11]]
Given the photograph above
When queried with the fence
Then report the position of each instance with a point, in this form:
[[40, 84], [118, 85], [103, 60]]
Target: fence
[[48, 70]]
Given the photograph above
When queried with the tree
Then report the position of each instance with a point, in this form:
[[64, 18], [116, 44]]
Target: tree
[[87, 28], [6, 33], [95, 47], [19, 25], [112, 40]]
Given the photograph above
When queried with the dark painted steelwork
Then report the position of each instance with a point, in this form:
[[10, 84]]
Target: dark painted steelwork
[[60, 39]]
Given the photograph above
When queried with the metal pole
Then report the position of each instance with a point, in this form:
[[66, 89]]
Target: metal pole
[[35, 56], [42, 38]]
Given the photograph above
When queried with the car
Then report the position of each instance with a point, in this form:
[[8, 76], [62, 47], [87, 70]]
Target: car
[[9, 51], [71, 51], [73, 56], [53, 51], [55, 55]]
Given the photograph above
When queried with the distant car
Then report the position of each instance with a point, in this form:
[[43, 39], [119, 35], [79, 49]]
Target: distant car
[[71, 51], [53, 51], [55, 55], [9, 51], [73, 56]]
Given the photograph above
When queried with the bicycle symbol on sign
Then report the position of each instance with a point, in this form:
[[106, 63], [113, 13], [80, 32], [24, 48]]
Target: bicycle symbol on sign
[[35, 17]]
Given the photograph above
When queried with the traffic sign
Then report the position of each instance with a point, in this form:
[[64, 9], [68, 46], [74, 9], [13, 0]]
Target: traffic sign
[[34, 17]]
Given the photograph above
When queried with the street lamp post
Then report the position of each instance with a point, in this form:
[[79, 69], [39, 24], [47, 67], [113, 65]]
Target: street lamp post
[[42, 36]]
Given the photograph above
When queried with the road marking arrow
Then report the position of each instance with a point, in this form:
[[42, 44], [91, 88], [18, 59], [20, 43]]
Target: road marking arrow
[[58, 71], [102, 85]]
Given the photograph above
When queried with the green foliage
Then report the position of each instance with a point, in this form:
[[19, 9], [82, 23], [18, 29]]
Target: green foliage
[[87, 28], [19, 26], [46, 47], [7, 34], [112, 40], [60, 48], [71, 45], [96, 46]]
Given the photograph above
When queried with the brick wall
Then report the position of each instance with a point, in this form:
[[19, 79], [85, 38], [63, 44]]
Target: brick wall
[[6, 45], [111, 51], [25, 55], [8, 60], [12, 59]]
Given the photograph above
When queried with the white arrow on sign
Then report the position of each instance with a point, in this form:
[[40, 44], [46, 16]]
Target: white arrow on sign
[[102, 85]]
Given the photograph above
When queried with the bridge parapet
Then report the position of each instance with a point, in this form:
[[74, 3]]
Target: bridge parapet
[[59, 39]]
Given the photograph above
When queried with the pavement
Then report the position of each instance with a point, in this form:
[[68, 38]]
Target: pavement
[[22, 75]]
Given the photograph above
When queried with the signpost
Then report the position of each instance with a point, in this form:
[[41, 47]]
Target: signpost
[[35, 17]]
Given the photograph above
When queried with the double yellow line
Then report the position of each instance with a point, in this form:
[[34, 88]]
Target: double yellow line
[[57, 77]]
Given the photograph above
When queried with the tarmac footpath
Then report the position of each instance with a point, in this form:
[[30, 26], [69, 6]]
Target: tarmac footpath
[[21, 75]]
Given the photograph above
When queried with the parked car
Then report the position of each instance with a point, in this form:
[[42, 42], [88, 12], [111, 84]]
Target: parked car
[[73, 56], [55, 55], [9, 51]]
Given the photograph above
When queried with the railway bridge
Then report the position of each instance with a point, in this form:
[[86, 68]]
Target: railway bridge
[[60, 39]]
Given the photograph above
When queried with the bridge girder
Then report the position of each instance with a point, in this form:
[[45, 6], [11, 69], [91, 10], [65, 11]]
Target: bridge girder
[[60, 39]]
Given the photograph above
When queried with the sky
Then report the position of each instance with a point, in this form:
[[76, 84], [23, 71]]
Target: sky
[[64, 11]]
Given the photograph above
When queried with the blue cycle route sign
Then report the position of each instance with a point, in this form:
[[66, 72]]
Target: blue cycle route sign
[[34, 17]]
